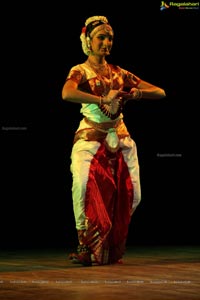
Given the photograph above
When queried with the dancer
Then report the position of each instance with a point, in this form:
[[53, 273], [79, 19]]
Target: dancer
[[104, 163]]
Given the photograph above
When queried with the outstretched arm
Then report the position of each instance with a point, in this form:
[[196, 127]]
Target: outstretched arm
[[150, 91]]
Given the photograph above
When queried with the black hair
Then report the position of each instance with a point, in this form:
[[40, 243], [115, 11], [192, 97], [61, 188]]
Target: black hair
[[92, 25]]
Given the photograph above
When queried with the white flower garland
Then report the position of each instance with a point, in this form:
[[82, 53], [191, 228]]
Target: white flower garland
[[96, 18]]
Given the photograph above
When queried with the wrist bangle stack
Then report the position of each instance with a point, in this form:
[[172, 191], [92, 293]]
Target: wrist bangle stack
[[100, 100], [137, 94], [140, 94]]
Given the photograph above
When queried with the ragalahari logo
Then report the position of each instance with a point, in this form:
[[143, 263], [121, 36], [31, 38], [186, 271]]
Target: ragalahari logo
[[179, 5], [164, 5]]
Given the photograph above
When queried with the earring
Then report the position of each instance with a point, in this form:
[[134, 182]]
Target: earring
[[88, 42]]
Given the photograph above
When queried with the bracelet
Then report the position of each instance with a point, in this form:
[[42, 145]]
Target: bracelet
[[100, 100], [137, 94], [140, 94]]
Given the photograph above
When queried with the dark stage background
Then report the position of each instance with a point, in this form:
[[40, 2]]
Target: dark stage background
[[40, 45]]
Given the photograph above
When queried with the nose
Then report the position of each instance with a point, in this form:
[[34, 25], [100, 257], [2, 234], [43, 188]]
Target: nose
[[107, 41]]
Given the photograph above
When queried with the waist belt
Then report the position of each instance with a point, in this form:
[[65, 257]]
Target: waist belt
[[107, 132]]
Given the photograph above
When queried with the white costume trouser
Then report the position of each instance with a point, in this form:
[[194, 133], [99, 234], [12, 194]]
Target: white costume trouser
[[81, 157]]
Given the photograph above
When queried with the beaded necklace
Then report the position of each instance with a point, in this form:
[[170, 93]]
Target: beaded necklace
[[105, 69]]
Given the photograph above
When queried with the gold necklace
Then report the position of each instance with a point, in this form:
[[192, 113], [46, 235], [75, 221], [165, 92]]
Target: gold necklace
[[97, 67]]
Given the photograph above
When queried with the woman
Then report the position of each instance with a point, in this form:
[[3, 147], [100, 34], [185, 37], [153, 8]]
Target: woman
[[104, 163]]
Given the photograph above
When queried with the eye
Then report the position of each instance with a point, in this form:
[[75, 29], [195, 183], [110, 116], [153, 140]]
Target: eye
[[101, 37]]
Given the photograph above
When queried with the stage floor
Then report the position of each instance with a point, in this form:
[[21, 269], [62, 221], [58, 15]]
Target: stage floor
[[155, 272]]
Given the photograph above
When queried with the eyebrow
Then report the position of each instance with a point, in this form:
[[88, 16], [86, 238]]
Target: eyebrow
[[106, 34]]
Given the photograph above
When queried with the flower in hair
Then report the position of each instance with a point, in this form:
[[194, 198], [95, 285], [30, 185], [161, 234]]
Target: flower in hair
[[83, 29], [96, 18], [85, 47]]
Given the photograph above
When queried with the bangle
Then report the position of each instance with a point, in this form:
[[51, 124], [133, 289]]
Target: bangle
[[137, 94], [140, 94], [100, 100]]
